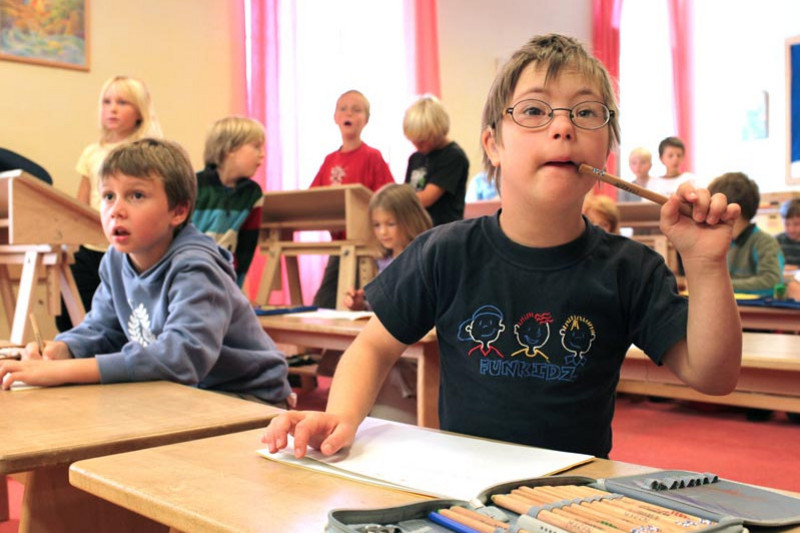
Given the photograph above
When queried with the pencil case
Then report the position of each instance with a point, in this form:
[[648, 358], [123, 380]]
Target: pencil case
[[713, 505]]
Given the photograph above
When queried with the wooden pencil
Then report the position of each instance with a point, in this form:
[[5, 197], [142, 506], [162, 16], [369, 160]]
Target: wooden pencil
[[619, 183], [467, 521], [478, 516], [37, 333]]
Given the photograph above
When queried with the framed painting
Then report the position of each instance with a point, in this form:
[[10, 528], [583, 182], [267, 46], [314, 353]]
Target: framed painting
[[793, 110], [45, 32]]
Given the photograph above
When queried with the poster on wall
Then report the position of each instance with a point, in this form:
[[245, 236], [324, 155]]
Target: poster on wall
[[793, 110], [45, 32]]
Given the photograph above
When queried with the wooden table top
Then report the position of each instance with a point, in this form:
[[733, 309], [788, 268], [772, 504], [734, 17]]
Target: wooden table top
[[58, 425], [774, 351], [170, 484], [308, 323]]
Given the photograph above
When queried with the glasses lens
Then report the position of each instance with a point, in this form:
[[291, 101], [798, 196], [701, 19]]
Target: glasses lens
[[590, 115], [532, 113]]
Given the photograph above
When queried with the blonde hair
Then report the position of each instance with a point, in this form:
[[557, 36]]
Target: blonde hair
[[156, 159], [555, 53], [136, 92], [228, 134], [401, 201], [605, 207], [426, 120], [642, 152], [359, 93]]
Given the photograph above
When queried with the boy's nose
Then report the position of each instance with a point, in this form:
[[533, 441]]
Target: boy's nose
[[562, 125]]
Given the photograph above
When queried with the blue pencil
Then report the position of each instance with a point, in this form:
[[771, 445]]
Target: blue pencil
[[450, 524]]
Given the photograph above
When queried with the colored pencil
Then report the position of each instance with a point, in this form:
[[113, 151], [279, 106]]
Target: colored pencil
[[619, 183]]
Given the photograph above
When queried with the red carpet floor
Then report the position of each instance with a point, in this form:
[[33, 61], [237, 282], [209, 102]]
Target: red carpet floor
[[669, 435], [704, 438]]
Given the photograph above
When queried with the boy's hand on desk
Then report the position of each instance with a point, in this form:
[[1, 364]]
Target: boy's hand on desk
[[708, 234], [354, 300], [322, 431], [52, 350], [32, 372]]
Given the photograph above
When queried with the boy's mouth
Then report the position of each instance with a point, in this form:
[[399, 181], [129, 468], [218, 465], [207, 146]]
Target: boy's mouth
[[120, 232], [348, 123], [563, 164]]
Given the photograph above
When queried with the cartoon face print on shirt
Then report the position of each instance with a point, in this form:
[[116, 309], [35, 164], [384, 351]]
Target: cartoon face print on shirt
[[577, 335], [484, 327], [532, 332]]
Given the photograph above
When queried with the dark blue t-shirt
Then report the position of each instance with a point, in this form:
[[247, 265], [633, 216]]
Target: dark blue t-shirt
[[531, 339]]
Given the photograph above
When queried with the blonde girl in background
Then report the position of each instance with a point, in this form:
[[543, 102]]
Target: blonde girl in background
[[126, 114], [602, 211], [397, 217]]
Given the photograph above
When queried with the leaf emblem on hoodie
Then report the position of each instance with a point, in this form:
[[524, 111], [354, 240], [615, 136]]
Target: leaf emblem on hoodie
[[139, 326]]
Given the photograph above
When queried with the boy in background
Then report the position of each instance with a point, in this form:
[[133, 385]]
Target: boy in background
[[671, 152], [533, 316], [168, 307], [353, 162], [228, 202], [755, 260], [789, 240], [439, 169], [640, 162]]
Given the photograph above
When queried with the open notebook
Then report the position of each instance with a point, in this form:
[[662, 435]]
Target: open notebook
[[430, 462]]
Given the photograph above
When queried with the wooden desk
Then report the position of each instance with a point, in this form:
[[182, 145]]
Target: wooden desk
[[44, 430], [337, 208], [768, 380], [336, 334], [770, 318], [249, 493], [40, 227]]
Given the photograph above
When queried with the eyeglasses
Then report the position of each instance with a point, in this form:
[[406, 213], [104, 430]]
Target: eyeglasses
[[537, 113]]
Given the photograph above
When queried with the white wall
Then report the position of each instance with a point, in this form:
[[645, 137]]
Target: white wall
[[738, 58], [475, 36]]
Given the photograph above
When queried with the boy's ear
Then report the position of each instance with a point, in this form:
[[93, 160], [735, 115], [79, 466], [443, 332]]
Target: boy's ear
[[490, 146], [179, 215]]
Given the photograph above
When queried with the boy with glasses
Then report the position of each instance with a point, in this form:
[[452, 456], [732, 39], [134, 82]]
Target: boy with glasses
[[534, 308]]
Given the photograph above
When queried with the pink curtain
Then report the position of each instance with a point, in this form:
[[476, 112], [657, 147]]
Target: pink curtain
[[262, 38], [605, 42], [427, 48], [262, 104], [680, 20]]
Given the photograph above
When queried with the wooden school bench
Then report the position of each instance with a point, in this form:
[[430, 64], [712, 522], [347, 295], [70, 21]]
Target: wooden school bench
[[769, 377], [44, 430], [338, 208], [251, 493]]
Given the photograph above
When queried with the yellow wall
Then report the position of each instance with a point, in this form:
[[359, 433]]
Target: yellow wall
[[183, 51]]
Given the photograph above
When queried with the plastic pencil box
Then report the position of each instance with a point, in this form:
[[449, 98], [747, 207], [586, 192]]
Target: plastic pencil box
[[714, 505]]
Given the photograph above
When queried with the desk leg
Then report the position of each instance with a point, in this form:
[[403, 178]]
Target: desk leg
[[69, 291], [7, 294], [347, 274], [4, 512], [428, 388], [270, 276], [50, 504], [27, 282], [293, 279]]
